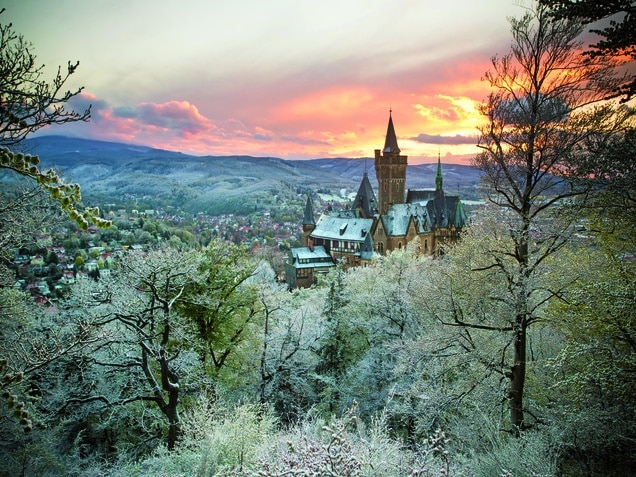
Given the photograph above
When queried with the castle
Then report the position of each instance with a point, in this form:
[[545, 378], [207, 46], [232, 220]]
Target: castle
[[399, 217]]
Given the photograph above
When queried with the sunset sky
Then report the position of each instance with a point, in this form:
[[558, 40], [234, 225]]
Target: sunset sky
[[287, 78]]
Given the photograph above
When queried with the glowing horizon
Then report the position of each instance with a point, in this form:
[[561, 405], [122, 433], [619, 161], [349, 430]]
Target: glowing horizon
[[287, 79]]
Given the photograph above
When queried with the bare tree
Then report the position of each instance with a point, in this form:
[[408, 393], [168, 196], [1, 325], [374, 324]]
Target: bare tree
[[28, 103], [142, 338], [545, 111]]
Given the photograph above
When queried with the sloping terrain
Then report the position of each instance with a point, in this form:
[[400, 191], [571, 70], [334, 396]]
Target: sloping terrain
[[458, 179], [109, 172]]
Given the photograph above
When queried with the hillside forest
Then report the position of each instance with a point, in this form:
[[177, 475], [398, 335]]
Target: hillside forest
[[160, 347]]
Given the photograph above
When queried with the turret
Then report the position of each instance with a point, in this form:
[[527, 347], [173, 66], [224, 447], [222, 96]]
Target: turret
[[441, 211], [365, 199], [439, 180], [309, 224]]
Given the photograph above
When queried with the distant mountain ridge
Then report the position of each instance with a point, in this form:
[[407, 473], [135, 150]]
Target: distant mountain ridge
[[216, 184]]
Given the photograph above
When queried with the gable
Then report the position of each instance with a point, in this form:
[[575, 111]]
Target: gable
[[399, 218], [380, 229]]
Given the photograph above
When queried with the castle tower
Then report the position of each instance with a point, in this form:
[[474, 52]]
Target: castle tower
[[390, 169], [309, 224]]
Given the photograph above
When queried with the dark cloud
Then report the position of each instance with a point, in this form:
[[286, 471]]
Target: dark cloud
[[438, 139], [126, 112], [83, 101]]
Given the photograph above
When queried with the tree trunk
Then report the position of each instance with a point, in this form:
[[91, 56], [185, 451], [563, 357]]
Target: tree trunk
[[518, 369], [174, 429], [172, 413], [518, 376], [171, 385]]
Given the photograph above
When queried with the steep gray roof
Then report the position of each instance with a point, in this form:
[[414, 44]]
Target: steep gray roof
[[308, 216], [367, 252], [335, 227], [419, 195], [396, 220], [456, 211], [390, 143], [365, 198], [442, 209]]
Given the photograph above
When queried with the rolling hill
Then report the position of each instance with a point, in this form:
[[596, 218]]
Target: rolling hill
[[110, 171]]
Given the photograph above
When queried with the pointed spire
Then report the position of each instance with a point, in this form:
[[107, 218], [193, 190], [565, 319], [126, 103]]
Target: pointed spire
[[390, 143], [439, 180], [308, 217], [365, 199]]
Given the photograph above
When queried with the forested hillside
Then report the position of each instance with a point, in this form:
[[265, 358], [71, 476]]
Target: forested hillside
[[510, 353], [216, 185]]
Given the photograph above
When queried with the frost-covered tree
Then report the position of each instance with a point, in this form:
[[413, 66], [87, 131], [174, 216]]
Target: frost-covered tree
[[28, 102], [594, 383], [291, 332], [144, 356], [545, 112]]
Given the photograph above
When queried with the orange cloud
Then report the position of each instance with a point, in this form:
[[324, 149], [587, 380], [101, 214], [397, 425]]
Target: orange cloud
[[326, 104], [344, 121], [443, 113]]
